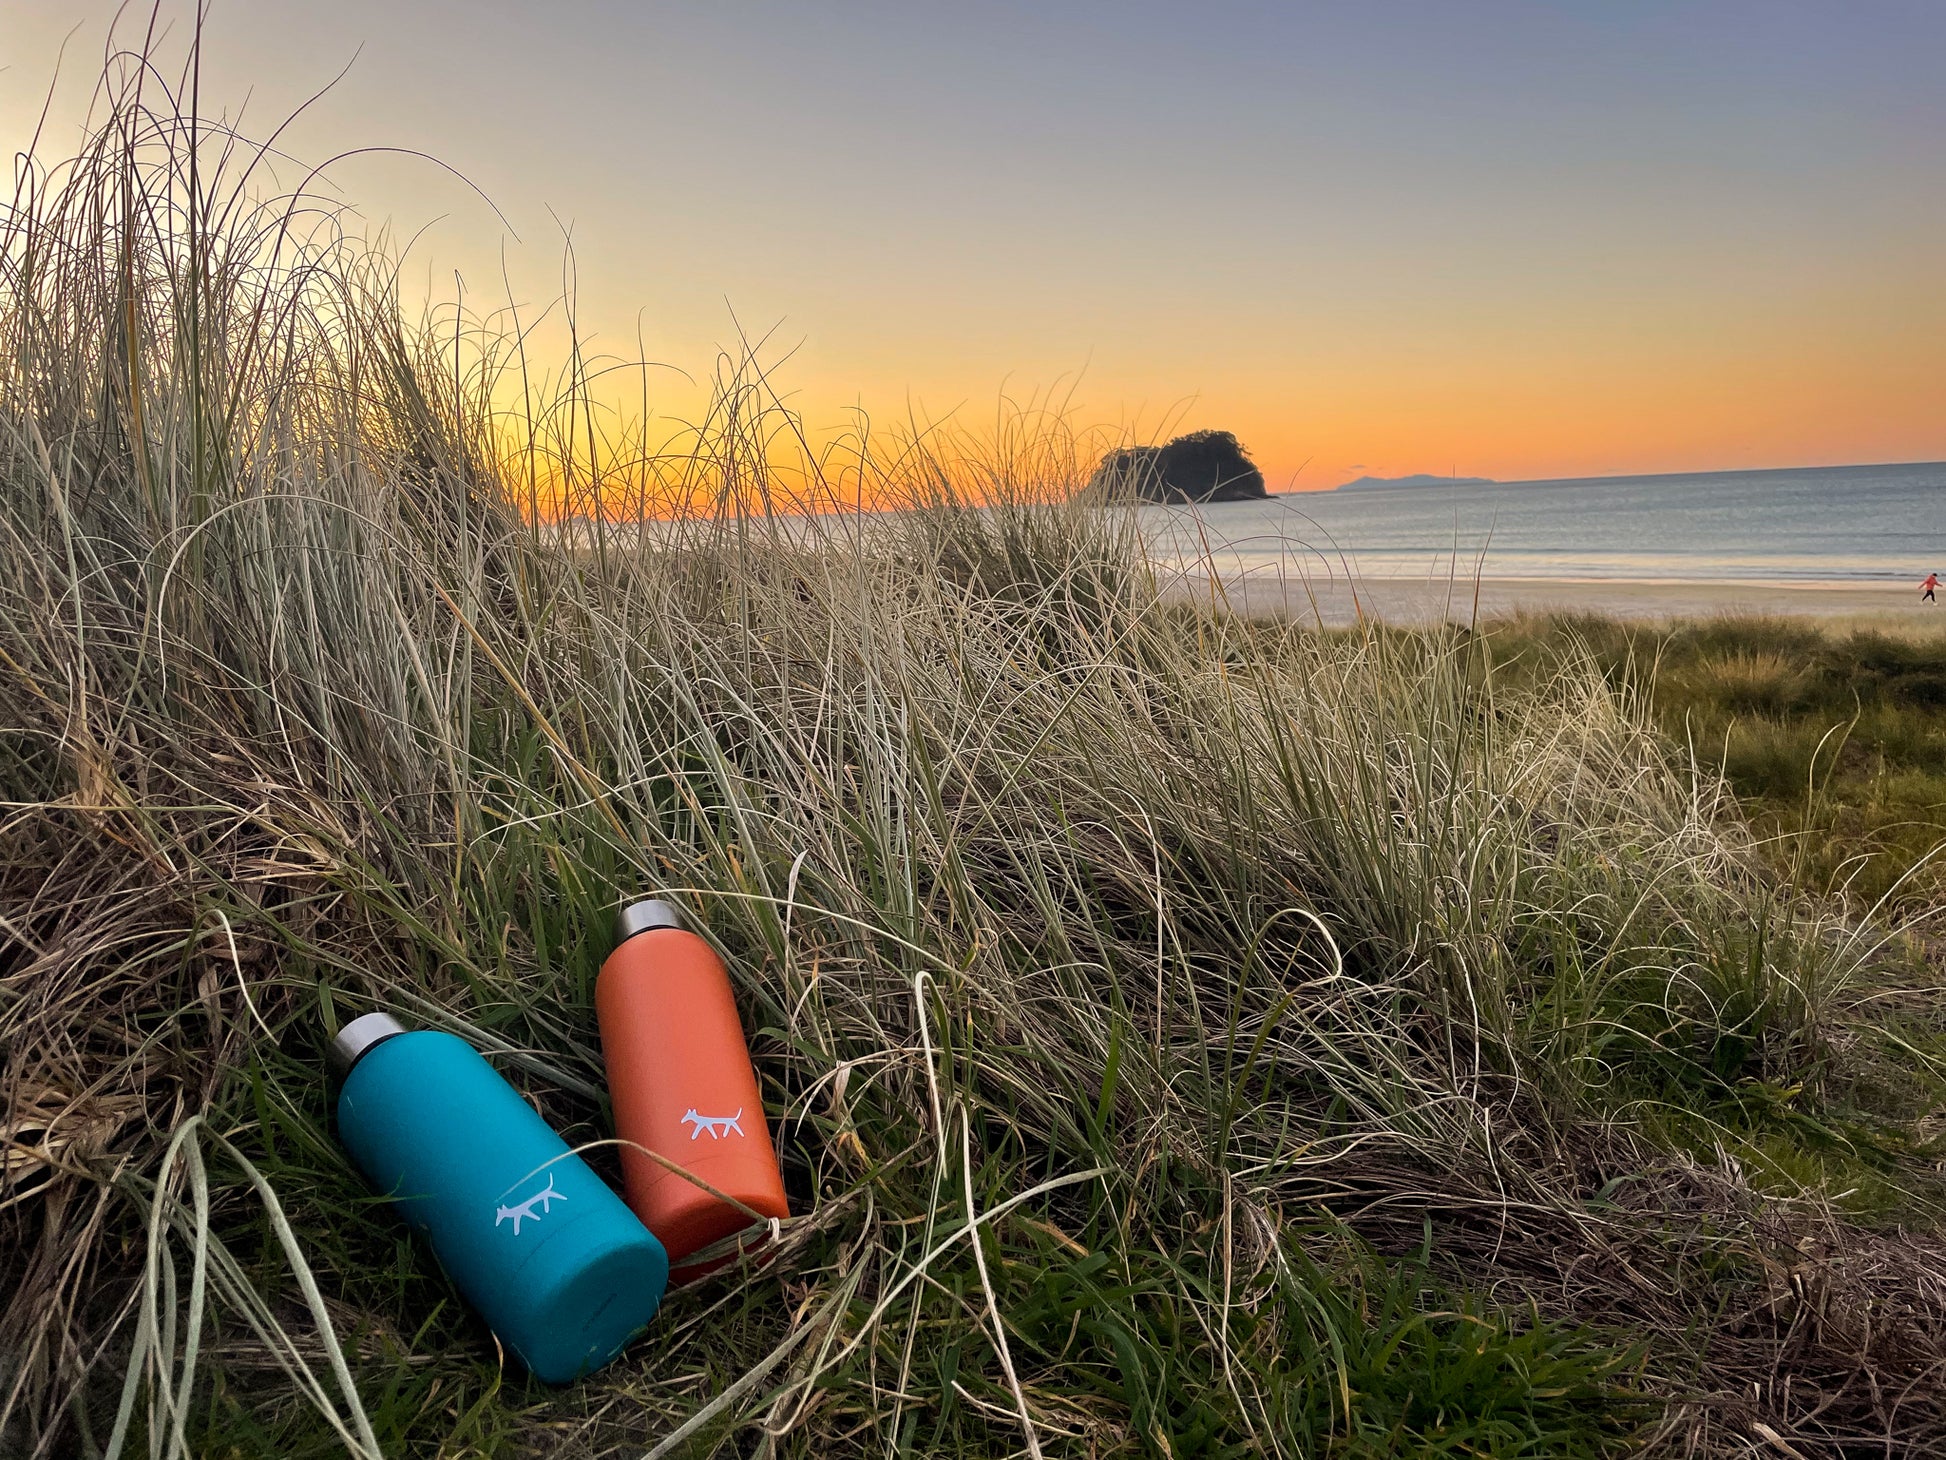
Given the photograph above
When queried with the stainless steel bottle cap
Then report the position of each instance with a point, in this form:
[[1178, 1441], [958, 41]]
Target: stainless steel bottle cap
[[641, 917], [357, 1039]]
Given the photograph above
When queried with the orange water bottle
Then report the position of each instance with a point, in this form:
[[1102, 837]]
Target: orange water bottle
[[680, 1078]]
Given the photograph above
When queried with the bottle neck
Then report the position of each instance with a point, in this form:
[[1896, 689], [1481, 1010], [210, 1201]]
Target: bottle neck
[[645, 916], [358, 1039]]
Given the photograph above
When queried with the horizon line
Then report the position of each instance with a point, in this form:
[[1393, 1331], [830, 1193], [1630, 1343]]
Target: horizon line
[[1630, 476]]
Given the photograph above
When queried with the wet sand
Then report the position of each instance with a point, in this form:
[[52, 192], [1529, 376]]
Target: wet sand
[[1409, 601]]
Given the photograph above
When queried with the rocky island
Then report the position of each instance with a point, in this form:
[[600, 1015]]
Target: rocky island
[[1203, 466]]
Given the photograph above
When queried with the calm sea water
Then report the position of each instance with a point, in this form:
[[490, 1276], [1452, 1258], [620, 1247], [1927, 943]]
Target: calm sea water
[[1848, 524]]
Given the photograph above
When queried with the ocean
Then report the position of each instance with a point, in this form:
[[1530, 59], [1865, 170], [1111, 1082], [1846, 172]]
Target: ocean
[[1807, 526]]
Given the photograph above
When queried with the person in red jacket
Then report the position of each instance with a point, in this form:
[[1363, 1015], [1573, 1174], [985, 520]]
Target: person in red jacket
[[1926, 588]]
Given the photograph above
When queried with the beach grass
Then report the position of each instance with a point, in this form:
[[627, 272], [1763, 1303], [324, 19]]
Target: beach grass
[[1831, 736], [1184, 1035]]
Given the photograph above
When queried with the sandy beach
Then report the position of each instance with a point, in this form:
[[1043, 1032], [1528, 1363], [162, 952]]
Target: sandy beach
[[1334, 602]]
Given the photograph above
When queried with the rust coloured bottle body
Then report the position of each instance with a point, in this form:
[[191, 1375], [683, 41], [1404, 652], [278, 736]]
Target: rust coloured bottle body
[[680, 1079]]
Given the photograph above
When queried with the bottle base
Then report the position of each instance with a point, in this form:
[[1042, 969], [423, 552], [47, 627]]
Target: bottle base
[[590, 1319]]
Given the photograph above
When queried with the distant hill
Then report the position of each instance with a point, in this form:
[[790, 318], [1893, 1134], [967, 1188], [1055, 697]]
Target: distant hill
[[1419, 479]]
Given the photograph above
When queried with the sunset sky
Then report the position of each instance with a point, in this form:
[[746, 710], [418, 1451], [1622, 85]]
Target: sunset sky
[[1516, 238]]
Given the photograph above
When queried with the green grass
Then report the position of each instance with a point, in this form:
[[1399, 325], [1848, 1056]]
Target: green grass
[[1834, 741], [1183, 1036]]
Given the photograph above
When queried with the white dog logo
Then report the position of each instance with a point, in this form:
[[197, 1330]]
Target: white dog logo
[[525, 1212], [716, 1125]]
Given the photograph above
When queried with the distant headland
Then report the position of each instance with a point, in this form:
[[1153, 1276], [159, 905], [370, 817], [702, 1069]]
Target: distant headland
[[1417, 479]]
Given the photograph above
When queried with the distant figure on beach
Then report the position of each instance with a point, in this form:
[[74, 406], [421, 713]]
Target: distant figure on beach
[[1932, 582]]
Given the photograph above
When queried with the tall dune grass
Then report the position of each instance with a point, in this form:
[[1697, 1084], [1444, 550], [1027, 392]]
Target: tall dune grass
[[1185, 1036]]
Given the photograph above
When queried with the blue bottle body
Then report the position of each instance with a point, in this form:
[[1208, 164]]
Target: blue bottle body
[[559, 1267]]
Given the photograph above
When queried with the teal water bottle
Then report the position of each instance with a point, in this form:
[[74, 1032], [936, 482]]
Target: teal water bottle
[[559, 1267]]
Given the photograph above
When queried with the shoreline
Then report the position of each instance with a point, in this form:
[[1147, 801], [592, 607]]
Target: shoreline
[[1337, 603]]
